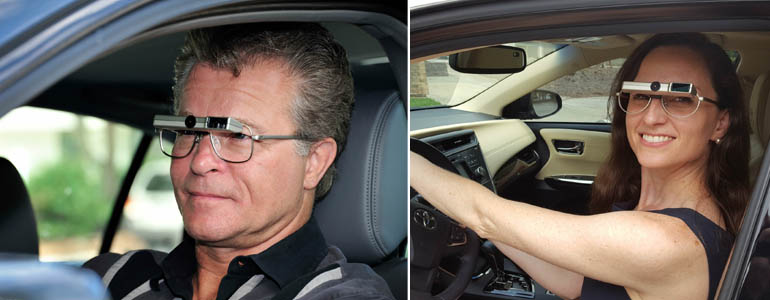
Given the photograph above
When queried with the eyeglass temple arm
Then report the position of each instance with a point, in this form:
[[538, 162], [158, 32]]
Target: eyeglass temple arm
[[708, 100], [277, 137]]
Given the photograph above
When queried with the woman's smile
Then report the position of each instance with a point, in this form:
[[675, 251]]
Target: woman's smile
[[656, 140]]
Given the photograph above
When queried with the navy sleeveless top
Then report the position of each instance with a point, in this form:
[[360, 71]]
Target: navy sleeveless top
[[714, 239]]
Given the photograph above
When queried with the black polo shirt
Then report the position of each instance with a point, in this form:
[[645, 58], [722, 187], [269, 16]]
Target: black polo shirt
[[301, 266]]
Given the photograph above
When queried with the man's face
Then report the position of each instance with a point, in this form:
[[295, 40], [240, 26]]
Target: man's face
[[242, 204]]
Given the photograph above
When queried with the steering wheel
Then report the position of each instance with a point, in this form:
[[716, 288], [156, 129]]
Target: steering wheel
[[434, 236]]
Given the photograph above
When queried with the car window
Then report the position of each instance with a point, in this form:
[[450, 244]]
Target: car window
[[584, 93], [434, 83], [151, 219], [160, 183], [73, 167]]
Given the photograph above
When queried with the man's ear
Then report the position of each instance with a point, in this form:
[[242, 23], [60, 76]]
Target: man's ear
[[320, 157], [723, 123]]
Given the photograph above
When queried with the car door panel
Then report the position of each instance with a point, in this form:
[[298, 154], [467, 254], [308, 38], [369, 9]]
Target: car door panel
[[561, 181], [591, 148]]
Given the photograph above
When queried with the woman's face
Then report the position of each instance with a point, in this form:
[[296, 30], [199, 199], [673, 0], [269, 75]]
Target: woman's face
[[664, 142]]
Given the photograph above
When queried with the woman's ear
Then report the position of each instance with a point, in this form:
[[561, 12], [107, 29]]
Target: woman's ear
[[723, 123]]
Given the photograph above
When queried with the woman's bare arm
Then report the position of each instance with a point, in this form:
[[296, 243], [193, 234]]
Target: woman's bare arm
[[562, 282], [639, 250]]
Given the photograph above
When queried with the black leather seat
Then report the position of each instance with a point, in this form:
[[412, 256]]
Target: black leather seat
[[365, 212], [18, 231]]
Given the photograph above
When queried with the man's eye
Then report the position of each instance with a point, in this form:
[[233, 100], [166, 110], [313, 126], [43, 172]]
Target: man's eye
[[185, 132], [641, 97], [238, 136]]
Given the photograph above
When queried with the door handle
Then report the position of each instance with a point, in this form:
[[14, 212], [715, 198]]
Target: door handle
[[568, 147]]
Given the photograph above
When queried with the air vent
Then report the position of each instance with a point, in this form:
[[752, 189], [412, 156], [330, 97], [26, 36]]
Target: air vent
[[449, 144], [529, 156]]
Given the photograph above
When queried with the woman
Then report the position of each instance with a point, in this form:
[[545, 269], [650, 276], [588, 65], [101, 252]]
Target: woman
[[668, 200]]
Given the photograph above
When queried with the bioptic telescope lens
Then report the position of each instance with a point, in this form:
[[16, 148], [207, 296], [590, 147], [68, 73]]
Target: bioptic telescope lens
[[655, 86], [680, 87], [189, 121]]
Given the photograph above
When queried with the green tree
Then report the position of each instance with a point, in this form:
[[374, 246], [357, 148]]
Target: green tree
[[68, 200]]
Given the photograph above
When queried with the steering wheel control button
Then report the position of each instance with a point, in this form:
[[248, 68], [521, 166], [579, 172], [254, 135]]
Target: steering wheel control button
[[457, 236], [424, 218]]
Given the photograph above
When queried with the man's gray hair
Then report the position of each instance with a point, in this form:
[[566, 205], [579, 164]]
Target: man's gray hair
[[318, 64]]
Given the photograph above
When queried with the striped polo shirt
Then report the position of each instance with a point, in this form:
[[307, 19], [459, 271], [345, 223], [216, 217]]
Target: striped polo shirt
[[301, 266]]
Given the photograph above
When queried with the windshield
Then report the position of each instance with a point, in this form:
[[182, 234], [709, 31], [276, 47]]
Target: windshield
[[434, 83]]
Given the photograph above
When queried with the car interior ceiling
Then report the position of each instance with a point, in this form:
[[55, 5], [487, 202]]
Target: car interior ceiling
[[138, 78]]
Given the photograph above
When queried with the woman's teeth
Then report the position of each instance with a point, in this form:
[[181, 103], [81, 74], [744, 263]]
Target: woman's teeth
[[656, 138]]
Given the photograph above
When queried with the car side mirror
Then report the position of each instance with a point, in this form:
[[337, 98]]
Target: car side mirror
[[489, 60], [535, 105]]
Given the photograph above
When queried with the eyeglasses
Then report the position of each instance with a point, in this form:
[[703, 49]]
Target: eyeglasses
[[231, 140], [679, 100], [228, 146]]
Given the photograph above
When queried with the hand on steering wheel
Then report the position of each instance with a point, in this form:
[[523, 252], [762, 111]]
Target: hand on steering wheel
[[434, 236]]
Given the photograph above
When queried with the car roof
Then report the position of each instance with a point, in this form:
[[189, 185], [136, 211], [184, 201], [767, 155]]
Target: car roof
[[20, 17]]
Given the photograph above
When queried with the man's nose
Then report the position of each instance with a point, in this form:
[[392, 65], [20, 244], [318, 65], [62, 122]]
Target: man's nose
[[204, 159]]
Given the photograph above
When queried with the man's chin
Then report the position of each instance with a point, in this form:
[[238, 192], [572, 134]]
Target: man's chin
[[210, 234]]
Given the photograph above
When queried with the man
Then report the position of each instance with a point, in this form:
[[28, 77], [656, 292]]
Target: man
[[246, 195]]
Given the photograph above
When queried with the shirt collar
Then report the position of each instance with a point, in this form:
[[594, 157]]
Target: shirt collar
[[179, 267], [298, 254]]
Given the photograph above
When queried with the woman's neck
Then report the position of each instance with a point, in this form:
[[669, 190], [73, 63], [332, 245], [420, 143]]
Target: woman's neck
[[684, 186]]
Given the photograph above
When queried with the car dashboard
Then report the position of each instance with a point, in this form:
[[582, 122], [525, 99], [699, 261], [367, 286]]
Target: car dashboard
[[463, 151], [465, 146]]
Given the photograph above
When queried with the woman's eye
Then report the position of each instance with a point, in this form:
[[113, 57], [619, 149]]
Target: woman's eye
[[683, 100]]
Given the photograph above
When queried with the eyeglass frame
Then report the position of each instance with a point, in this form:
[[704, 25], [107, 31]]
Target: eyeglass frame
[[655, 86], [206, 125]]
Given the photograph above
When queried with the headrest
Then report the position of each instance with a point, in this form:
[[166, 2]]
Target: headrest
[[364, 213], [760, 96], [18, 230]]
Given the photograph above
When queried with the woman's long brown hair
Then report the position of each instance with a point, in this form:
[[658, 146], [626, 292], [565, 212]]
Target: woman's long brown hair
[[727, 178]]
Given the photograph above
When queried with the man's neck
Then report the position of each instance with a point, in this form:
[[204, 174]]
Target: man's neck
[[213, 261]]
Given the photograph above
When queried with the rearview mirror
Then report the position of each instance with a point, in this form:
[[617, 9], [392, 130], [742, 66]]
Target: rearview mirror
[[535, 105], [490, 60]]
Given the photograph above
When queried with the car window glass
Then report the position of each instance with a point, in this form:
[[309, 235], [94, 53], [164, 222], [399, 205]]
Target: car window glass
[[755, 285], [584, 93], [150, 216], [160, 183], [434, 83], [73, 167]]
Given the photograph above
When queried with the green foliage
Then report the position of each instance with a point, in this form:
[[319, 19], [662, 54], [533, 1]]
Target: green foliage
[[415, 102], [68, 200], [734, 56]]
